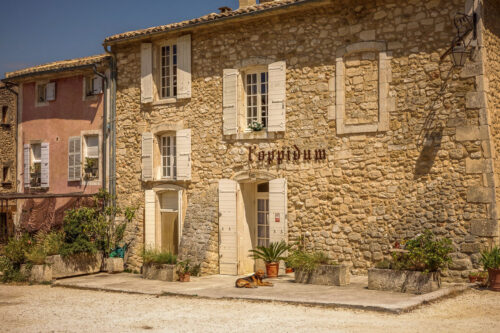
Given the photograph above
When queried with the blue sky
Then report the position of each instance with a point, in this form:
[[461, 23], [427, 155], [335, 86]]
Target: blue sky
[[34, 32]]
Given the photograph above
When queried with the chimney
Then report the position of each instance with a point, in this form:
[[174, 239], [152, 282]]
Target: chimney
[[246, 3]]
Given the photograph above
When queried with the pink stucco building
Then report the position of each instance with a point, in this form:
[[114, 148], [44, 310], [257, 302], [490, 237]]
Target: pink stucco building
[[61, 142]]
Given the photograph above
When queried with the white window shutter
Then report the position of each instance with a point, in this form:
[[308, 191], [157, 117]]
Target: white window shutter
[[45, 165], [228, 249], [149, 219], [230, 101], [277, 97], [97, 85], [50, 92], [147, 156], [74, 158], [184, 67], [146, 73], [278, 212], [183, 154], [26, 165]]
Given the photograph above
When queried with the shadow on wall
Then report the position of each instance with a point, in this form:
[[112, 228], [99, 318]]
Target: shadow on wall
[[430, 148], [41, 214]]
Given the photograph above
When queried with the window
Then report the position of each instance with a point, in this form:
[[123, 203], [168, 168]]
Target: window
[[263, 222], [5, 174], [36, 165], [93, 85], [4, 114], [91, 157], [41, 96], [256, 89], [168, 71], [168, 156]]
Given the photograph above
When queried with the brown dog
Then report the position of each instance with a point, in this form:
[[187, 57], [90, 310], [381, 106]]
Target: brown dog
[[253, 281]]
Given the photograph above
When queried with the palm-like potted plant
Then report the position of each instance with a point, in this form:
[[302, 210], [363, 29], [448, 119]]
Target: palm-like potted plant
[[490, 259], [271, 255]]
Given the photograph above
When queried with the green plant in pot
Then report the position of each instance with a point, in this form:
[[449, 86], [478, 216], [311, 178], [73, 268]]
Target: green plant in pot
[[271, 255], [490, 259], [185, 270]]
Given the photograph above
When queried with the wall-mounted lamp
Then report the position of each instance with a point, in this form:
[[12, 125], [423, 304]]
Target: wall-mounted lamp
[[460, 50]]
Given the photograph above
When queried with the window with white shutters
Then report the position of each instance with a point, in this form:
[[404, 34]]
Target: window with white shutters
[[74, 158], [256, 89], [168, 71], [91, 157], [93, 85], [36, 165]]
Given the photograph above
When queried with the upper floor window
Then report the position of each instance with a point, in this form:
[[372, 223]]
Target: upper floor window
[[41, 95], [91, 157], [5, 174], [256, 88], [45, 92], [93, 85], [169, 156], [168, 69], [36, 165], [4, 114]]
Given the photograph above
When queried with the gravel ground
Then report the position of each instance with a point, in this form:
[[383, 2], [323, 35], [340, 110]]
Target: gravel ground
[[46, 309]]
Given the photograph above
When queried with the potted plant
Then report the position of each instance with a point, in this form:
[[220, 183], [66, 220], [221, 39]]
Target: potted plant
[[185, 270], [482, 278], [256, 126], [473, 277], [159, 265], [271, 255], [490, 259]]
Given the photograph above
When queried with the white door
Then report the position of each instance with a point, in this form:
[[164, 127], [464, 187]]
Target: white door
[[228, 242]]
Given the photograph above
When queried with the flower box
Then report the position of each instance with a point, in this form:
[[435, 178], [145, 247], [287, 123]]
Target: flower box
[[37, 273], [113, 265], [161, 272], [327, 275], [412, 282], [76, 264]]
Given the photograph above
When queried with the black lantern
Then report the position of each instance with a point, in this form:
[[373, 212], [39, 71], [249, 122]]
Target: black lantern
[[459, 53]]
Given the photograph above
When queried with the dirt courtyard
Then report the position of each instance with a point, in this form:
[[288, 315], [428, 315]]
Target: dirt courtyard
[[46, 309]]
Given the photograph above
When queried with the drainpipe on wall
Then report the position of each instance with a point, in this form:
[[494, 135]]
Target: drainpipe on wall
[[104, 124], [112, 126]]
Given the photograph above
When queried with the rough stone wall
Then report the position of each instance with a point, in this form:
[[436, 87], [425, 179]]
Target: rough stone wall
[[375, 188], [491, 43], [8, 139]]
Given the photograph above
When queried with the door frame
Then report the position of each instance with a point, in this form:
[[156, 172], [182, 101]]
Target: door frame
[[159, 190]]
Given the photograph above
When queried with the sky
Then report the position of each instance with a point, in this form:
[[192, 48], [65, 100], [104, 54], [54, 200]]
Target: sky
[[34, 32]]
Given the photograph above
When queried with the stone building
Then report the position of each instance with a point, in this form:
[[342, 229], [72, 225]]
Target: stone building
[[8, 105], [369, 135], [62, 134]]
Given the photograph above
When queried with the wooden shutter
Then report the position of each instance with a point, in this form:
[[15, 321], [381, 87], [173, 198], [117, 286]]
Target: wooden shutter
[[97, 85], [146, 73], [147, 156], [184, 67], [149, 219], [26, 165], [183, 154], [277, 97], [74, 158], [228, 249], [230, 101], [45, 164], [278, 210], [50, 91]]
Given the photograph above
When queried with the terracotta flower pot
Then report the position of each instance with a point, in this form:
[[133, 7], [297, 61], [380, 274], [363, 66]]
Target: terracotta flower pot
[[184, 277], [289, 270], [472, 279], [494, 279], [272, 269]]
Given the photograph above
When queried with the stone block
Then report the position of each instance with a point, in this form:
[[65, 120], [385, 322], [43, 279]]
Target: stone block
[[477, 166], [479, 194], [484, 228], [472, 133], [77, 264], [160, 272], [37, 273], [113, 265], [411, 282], [470, 247], [472, 69], [327, 275], [475, 100]]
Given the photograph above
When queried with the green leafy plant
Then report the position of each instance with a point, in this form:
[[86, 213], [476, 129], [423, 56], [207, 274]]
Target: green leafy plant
[[195, 270], [490, 259], [184, 267], [256, 126], [153, 256], [272, 253], [307, 261]]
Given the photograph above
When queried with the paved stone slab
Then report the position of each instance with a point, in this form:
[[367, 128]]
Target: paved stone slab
[[356, 295]]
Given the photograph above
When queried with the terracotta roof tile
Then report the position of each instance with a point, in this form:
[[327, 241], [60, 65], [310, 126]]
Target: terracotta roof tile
[[204, 19], [57, 65]]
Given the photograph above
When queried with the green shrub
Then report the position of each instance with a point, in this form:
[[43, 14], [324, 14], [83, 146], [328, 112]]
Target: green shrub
[[272, 253], [307, 261], [491, 258], [153, 256], [16, 249]]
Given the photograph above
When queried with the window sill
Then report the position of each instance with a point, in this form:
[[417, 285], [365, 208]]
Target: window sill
[[94, 182], [260, 135], [164, 181], [164, 101]]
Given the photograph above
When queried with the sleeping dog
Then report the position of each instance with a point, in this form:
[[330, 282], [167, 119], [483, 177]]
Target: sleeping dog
[[253, 281]]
